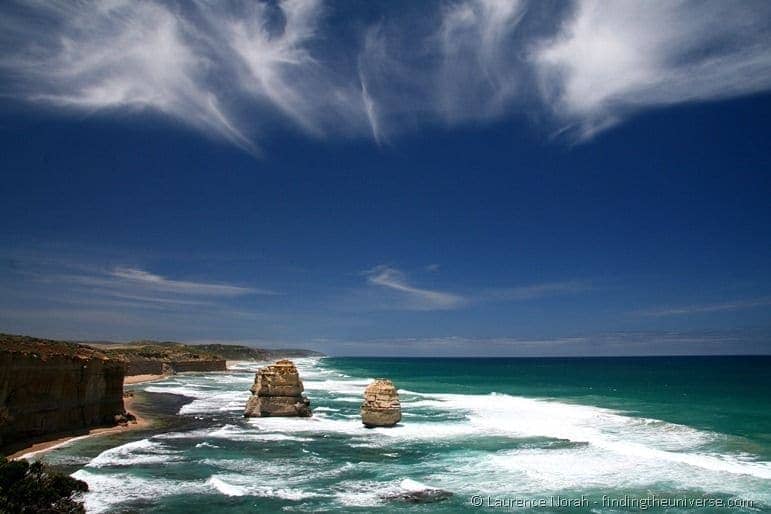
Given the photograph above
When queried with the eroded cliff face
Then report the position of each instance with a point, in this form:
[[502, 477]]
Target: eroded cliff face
[[277, 391], [47, 387]]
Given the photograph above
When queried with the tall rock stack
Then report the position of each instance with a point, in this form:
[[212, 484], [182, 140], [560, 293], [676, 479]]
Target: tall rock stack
[[277, 391], [381, 407]]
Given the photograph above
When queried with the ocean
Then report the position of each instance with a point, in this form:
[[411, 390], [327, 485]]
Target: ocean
[[600, 435]]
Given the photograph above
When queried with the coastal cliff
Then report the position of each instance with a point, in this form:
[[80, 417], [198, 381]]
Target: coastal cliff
[[162, 358], [48, 387], [167, 357]]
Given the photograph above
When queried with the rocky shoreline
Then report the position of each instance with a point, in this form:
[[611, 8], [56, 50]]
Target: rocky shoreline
[[52, 391]]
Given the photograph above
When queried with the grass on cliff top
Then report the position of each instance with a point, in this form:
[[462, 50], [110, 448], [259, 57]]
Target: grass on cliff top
[[133, 351], [46, 347], [171, 352], [168, 351]]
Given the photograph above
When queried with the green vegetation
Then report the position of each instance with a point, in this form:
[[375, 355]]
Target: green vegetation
[[34, 489], [159, 351], [168, 351]]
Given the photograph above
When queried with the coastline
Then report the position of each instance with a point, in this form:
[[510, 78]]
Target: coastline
[[142, 421]]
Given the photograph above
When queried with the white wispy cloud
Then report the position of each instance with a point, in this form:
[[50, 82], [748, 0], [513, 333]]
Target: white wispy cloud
[[707, 308], [536, 290], [612, 58], [219, 68], [141, 286], [232, 69], [116, 55], [151, 281], [415, 298], [456, 67]]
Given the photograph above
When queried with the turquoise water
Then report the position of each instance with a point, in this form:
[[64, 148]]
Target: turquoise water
[[524, 435]]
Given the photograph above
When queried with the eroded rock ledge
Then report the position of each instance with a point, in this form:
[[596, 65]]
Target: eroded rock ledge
[[381, 407], [277, 391]]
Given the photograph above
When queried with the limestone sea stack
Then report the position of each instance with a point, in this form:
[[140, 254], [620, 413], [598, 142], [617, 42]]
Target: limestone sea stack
[[277, 391], [381, 407]]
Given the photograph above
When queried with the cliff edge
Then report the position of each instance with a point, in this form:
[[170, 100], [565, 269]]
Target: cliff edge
[[49, 387]]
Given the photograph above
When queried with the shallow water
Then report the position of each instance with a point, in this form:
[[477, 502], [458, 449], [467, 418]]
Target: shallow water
[[506, 430]]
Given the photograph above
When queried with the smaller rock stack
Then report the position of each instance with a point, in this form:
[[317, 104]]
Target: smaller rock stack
[[277, 391], [381, 407]]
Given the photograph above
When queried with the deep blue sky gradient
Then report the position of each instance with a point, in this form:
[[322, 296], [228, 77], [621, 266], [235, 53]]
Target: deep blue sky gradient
[[670, 210]]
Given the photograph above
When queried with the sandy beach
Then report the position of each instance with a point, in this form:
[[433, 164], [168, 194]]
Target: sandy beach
[[138, 379], [142, 421]]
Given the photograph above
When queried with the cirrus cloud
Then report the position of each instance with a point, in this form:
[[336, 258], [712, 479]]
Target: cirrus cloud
[[232, 70]]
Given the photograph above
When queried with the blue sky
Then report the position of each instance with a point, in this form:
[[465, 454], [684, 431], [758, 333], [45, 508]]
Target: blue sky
[[470, 177]]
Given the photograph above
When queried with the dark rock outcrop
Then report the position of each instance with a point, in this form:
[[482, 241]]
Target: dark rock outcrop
[[422, 496], [146, 367], [381, 407], [49, 387], [277, 391]]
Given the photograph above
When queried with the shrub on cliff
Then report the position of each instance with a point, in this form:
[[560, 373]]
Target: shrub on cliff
[[33, 488]]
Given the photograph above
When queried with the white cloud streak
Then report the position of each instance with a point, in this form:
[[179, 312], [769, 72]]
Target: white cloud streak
[[415, 298], [140, 286], [707, 308], [536, 291], [231, 70], [151, 281]]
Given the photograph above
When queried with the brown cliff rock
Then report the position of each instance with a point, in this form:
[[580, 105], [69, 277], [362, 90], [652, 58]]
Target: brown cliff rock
[[49, 387], [381, 407], [277, 391]]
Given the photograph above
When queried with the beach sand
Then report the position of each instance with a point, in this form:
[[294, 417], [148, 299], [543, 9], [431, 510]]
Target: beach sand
[[138, 379], [142, 421]]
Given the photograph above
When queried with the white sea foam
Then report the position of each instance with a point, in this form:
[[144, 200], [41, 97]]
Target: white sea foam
[[613, 450], [140, 452], [243, 485], [343, 386], [226, 488], [105, 491], [325, 409], [414, 486], [232, 433], [367, 493], [637, 438]]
